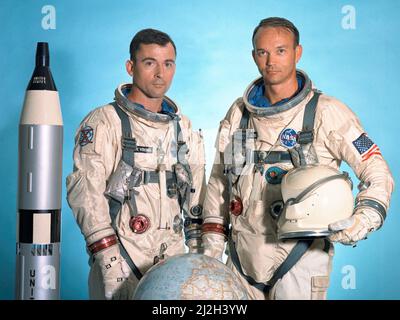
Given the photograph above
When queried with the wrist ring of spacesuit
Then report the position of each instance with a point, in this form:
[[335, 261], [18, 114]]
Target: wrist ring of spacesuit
[[214, 227], [103, 244]]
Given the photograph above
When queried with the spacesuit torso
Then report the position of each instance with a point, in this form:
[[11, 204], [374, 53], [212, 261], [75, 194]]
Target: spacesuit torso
[[148, 219]]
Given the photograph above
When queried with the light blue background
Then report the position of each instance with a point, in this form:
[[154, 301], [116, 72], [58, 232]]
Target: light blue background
[[88, 50]]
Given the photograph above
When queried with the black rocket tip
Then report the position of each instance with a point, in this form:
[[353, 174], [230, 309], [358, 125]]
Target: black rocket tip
[[41, 77], [42, 54]]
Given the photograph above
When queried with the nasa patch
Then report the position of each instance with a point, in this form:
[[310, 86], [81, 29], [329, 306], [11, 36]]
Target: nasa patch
[[86, 136], [288, 138]]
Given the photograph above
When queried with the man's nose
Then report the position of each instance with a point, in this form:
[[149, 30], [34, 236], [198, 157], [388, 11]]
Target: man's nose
[[270, 60], [159, 72]]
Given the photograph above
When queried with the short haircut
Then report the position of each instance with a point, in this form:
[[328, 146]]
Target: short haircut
[[149, 36], [276, 22]]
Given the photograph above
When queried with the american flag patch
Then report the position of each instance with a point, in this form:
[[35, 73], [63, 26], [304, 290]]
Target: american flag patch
[[366, 147]]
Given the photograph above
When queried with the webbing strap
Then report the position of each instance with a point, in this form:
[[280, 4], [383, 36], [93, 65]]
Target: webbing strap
[[266, 157], [115, 206], [244, 121], [294, 256], [154, 177], [182, 150], [307, 133], [128, 148], [128, 142], [129, 261]]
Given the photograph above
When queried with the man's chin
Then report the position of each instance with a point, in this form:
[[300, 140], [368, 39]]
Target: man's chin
[[273, 78], [270, 82], [156, 94]]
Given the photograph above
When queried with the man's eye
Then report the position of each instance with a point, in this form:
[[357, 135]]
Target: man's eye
[[148, 63], [281, 51], [261, 53], [169, 64]]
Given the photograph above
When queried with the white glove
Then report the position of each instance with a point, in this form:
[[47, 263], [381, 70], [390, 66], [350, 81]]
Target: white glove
[[357, 227], [115, 273], [213, 244]]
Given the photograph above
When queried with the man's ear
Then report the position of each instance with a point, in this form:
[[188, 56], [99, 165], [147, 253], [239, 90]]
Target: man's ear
[[253, 53], [129, 67], [299, 52]]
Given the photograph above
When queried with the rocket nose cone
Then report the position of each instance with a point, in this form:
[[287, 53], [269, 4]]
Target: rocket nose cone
[[42, 54], [41, 77]]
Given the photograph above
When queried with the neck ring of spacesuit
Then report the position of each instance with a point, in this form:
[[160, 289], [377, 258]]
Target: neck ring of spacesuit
[[128, 105], [268, 111]]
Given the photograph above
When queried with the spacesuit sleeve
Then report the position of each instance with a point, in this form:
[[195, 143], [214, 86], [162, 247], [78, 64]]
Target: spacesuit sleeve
[[197, 166], [347, 140], [216, 202], [215, 216], [93, 163]]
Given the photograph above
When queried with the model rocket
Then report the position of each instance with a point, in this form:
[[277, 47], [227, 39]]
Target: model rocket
[[39, 186]]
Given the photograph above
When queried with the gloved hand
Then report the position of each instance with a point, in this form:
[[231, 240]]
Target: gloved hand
[[357, 227], [213, 245], [115, 273]]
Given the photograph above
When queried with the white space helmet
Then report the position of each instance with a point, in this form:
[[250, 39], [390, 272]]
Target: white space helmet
[[314, 196]]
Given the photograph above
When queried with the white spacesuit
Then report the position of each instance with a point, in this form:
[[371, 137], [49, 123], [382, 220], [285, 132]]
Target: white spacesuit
[[135, 173], [256, 146]]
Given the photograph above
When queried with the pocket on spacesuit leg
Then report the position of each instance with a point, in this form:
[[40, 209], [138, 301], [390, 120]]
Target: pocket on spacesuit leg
[[319, 287]]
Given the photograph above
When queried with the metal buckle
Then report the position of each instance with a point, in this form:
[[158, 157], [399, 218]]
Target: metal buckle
[[305, 137], [129, 143], [172, 190], [135, 178]]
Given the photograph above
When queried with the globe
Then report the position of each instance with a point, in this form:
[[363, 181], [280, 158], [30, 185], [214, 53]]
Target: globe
[[190, 276]]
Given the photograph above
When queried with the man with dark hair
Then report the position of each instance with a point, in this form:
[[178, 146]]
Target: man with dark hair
[[276, 22], [275, 177], [138, 173], [149, 36]]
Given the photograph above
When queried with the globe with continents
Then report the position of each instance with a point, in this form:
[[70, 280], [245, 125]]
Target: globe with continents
[[190, 276]]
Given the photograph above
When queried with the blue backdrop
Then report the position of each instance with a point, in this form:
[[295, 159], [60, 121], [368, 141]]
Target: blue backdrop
[[351, 51]]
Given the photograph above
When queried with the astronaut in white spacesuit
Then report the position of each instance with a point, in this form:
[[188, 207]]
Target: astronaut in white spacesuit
[[138, 177], [283, 122]]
